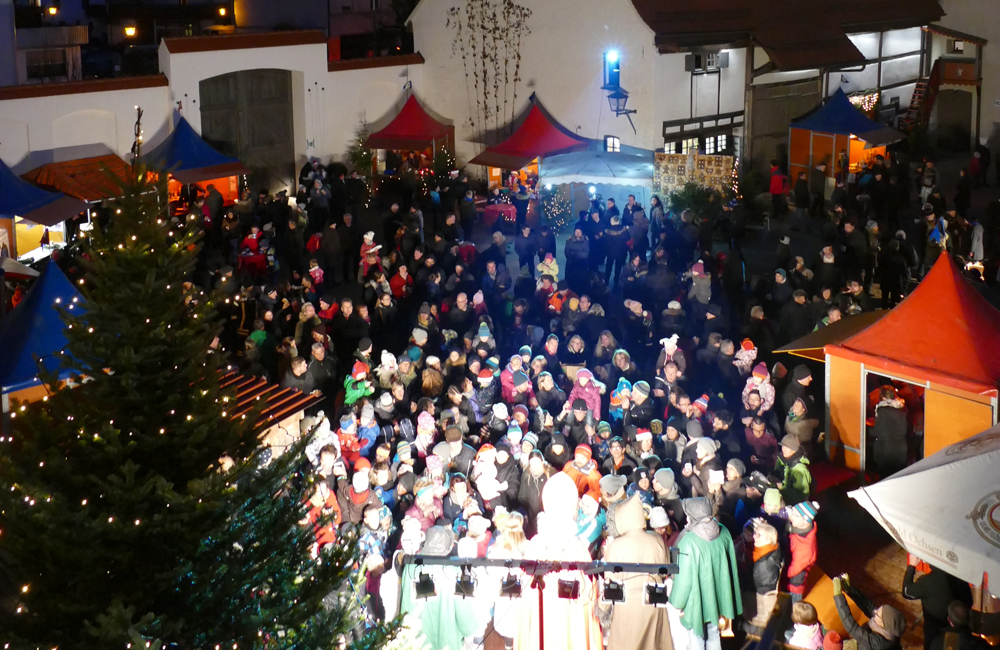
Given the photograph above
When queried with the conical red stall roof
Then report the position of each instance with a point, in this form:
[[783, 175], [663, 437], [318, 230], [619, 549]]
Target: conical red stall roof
[[413, 128], [537, 136], [944, 331]]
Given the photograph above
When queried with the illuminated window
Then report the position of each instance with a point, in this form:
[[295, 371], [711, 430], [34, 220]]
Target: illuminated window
[[720, 143], [611, 143], [690, 145], [672, 147], [710, 144]]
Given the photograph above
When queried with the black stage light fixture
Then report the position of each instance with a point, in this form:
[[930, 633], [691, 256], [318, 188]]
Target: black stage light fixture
[[656, 594], [614, 591], [425, 586], [569, 589], [510, 587]]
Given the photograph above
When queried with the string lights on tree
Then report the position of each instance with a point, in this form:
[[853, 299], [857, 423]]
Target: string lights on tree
[[117, 478], [556, 209]]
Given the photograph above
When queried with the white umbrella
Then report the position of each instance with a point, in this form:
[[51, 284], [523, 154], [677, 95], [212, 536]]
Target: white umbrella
[[945, 509], [598, 167]]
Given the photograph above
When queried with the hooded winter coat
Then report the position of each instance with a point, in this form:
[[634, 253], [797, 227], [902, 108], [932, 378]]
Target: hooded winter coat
[[569, 624], [635, 625], [446, 619], [706, 586], [591, 394]]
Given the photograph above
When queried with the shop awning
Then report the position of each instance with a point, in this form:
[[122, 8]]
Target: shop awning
[[190, 159], [413, 128], [811, 345], [537, 136], [34, 329], [839, 116], [19, 198], [87, 179]]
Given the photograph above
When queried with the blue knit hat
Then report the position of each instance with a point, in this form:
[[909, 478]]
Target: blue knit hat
[[806, 510], [530, 437]]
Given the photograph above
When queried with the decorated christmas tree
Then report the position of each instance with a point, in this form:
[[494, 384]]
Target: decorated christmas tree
[[359, 155], [124, 523], [557, 211]]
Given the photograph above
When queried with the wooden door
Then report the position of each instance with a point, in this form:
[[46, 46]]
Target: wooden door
[[248, 114]]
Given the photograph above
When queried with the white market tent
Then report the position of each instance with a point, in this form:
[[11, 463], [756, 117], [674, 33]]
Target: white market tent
[[945, 509], [611, 174], [604, 167]]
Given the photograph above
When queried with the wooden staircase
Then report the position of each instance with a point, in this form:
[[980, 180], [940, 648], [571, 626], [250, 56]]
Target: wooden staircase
[[915, 114]]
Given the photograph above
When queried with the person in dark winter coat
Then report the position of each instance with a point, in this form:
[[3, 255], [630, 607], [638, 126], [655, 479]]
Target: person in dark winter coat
[[577, 253], [936, 591], [888, 434], [639, 232], [616, 239], [957, 634], [332, 253], [526, 247], [885, 624], [529, 493], [894, 274]]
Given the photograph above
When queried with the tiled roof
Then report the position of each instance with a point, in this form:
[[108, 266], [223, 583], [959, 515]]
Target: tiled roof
[[796, 35]]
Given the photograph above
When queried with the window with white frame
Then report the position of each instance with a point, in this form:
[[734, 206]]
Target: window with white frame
[[613, 144], [710, 144], [721, 142], [689, 145]]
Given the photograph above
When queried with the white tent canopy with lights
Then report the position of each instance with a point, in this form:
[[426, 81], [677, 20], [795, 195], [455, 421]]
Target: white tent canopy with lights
[[601, 173]]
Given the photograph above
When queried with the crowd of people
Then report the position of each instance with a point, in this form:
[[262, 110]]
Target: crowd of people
[[613, 409]]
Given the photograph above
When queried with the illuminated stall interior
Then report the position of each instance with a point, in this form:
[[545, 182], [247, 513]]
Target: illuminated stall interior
[[832, 130]]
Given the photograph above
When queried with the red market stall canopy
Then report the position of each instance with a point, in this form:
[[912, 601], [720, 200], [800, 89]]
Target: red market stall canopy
[[88, 179], [190, 159], [413, 129], [537, 136], [18, 198], [944, 332]]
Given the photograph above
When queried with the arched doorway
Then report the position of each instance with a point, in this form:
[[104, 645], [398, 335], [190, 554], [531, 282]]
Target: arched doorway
[[248, 114]]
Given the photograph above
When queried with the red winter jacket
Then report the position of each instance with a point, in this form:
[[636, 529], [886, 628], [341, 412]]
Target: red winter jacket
[[779, 182], [803, 549]]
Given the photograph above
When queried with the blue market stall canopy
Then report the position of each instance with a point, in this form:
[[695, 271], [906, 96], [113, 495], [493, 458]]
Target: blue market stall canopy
[[19, 198], [35, 329], [190, 159], [839, 116], [611, 168]]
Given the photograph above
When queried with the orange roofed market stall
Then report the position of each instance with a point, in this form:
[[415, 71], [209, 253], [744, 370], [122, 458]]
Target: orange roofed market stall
[[941, 340]]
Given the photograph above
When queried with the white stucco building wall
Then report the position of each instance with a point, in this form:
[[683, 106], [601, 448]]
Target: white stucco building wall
[[562, 61], [54, 128]]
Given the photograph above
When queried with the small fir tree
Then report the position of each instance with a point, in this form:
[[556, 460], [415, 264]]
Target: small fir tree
[[556, 210], [121, 525], [359, 155]]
